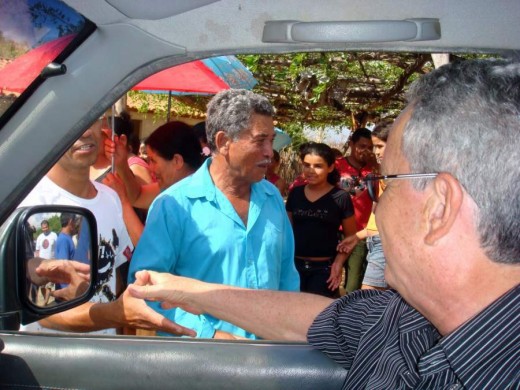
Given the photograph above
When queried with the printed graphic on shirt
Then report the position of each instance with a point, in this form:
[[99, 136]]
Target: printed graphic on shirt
[[321, 214], [106, 261]]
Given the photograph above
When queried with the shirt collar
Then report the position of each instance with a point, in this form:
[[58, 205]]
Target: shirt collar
[[202, 185], [417, 336], [494, 332]]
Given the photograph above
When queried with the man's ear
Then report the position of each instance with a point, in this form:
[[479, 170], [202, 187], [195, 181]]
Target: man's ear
[[443, 207], [222, 142], [178, 160]]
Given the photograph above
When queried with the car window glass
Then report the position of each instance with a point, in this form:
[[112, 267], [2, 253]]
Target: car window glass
[[32, 34]]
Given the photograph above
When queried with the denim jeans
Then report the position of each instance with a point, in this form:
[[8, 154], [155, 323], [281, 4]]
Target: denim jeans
[[375, 272], [314, 275]]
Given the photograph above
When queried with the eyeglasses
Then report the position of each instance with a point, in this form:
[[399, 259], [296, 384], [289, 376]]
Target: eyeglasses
[[373, 181]]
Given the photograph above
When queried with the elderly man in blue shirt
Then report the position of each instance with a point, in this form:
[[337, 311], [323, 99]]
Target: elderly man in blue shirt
[[224, 224]]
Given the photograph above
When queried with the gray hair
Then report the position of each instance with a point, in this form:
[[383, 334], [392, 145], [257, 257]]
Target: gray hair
[[231, 110], [466, 121]]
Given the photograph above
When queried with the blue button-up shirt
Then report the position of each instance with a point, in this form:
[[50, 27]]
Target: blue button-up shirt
[[193, 230]]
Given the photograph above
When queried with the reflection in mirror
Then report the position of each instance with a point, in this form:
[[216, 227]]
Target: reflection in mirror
[[59, 255]]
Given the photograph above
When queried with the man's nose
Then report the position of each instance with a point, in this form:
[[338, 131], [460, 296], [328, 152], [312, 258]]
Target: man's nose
[[268, 149]]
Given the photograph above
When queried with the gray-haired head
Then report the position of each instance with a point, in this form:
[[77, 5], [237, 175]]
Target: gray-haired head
[[466, 121], [231, 110]]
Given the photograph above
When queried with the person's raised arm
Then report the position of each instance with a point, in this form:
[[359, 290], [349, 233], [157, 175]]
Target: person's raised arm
[[118, 150], [147, 193], [272, 315], [140, 196], [133, 224]]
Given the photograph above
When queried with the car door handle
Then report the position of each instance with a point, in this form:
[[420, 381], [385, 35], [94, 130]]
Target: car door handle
[[291, 31]]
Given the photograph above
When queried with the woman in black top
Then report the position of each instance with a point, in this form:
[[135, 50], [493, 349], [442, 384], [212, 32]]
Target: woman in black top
[[317, 210]]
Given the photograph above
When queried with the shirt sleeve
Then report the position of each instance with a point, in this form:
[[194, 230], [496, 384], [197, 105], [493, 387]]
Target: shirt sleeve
[[345, 204], [158, 250], [338, 329]]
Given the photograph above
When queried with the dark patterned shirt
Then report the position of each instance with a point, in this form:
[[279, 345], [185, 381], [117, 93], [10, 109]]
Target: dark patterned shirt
[[387, 344]]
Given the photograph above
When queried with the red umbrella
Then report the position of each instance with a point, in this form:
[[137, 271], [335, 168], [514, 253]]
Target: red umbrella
[[192, 77], [200, 77], [207, 76], [18, 74]]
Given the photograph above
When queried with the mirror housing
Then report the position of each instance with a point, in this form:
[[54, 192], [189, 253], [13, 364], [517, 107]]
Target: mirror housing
[[36, 287]]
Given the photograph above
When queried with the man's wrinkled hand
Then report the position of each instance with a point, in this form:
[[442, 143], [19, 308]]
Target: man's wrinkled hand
[[63, 271], [74, 274], [166, 288], [137, 314]]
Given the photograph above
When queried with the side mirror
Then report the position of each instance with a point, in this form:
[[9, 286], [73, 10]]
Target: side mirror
[[56, 258]]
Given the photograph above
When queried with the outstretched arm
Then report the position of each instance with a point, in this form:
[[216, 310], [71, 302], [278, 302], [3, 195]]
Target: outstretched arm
[[125, 311], [273, 315]]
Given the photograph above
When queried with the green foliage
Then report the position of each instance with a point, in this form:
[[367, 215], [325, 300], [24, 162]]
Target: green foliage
[[55, 224], [332, 89], [158, 104], [318, 90], [295, 130], [10, 50]]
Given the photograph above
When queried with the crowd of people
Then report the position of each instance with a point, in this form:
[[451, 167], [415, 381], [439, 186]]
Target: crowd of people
[[427, 248]]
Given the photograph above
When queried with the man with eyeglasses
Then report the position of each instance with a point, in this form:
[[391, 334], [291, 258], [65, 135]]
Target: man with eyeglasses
[[452, 319]]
